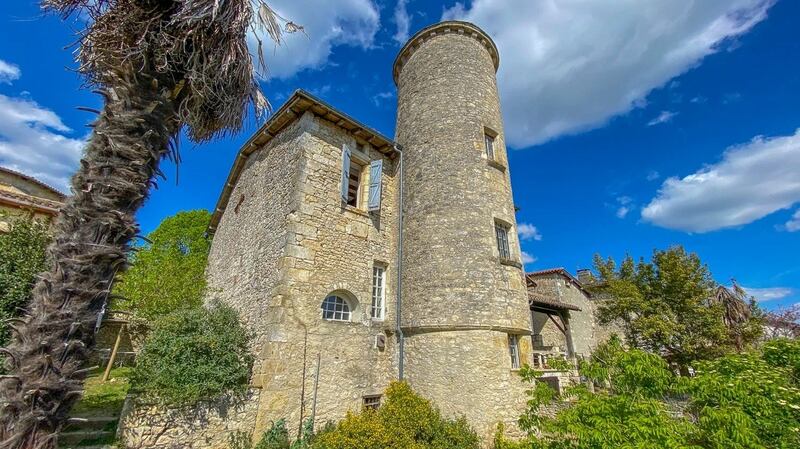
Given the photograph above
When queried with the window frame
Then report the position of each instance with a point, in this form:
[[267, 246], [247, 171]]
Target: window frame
[[344, 302], [489, 145], [513, 351], [371, 401], [378, 286], [503, 245]]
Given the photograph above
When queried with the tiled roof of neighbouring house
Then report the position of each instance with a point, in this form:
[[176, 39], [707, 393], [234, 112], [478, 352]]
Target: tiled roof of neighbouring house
[[531, 277], [537, 299], [23, 201], [33, 180]]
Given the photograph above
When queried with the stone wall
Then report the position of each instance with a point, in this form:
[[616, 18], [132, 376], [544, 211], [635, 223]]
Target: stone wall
[[205, 426], [292, 243], [460, 300], [587, 332]]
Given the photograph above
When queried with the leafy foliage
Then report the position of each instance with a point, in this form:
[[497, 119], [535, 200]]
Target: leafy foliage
[[738, 401], [169, 272], [22, 257], [192, 355], [404, 421], [666, 306]]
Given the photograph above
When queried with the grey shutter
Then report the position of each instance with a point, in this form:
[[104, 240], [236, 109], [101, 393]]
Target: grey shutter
[[345, 172], [375, 172]]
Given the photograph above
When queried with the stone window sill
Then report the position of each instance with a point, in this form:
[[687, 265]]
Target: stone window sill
[[495, 164], [355, 210], [510, 263]]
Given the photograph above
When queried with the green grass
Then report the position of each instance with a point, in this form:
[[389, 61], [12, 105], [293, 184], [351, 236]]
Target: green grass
[[104, 398]]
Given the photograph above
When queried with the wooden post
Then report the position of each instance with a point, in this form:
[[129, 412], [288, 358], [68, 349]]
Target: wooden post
[[113, 352], [568, 333]]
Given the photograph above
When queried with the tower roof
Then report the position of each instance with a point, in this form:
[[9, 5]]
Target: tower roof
[[447, 27]]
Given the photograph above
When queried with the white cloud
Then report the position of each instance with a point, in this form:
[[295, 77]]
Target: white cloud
[[327, 24], [768, 294], [381, 96], [751, 181], [8, 72], [527, 258], [793, 225], [625, 206], [34, 141], [528, 231], [663, 117], [653, 175], [613, 55], [402, 20]]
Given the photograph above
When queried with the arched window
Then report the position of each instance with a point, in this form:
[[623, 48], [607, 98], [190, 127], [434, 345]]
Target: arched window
[[335, 308]]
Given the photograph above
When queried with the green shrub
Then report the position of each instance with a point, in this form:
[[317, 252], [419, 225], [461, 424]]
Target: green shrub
[[193, 355], [22, 257], [404, 421]]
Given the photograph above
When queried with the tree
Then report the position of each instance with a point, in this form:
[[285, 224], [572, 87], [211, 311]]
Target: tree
[[168, 273], [160, 66], [739, 401], [22, 257], [666, 306]]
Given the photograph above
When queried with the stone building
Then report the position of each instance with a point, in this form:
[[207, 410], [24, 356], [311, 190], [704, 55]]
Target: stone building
[[309, 245], [23, 195], [357, 259], [564, 316]]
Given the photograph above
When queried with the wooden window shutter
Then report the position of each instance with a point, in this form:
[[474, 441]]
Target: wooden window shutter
[[345, 172], [375, 172]]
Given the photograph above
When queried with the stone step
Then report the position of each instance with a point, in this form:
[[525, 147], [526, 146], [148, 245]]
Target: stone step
[[72, 439]]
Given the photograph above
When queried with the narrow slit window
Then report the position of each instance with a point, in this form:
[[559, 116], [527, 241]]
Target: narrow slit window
[[378, 292], [513, 349], [503, 249], [489, 141]]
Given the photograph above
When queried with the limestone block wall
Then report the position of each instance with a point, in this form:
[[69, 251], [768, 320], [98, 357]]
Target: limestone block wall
[[468, 372], [447, 101], [460, 300], [206, 426], [290, 243], [330, 247]]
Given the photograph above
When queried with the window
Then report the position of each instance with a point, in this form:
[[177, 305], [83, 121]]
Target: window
[[354, 172], [372, 402], [501, 231], [335, 308], [354, 183], [489, 140], [378, 292], [513, 349], [538, 340]]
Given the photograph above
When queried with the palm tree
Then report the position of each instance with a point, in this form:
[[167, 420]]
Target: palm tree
[[161, 66]]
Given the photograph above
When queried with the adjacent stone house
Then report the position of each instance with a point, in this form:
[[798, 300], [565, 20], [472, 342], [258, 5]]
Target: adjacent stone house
[[25, 196]]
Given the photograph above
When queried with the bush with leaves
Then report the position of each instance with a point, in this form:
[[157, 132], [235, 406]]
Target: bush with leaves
[[404, 421], [192, 355], [168, 272], [739, 401], [22, 257]]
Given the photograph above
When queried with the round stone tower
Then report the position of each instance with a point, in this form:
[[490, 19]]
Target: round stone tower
[[465, 309]]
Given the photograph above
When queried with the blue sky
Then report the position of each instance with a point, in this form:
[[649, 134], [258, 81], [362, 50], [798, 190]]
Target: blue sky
[[632, 124]]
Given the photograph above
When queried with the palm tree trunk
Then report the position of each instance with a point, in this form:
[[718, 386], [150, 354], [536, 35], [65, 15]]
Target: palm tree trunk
[[92, 238]]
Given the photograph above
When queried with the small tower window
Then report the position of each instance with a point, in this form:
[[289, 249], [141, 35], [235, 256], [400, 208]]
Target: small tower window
[[372, 402], [378, 292], [354, 183], [503, 249], [335, 308], [513, 349], [489, 141]]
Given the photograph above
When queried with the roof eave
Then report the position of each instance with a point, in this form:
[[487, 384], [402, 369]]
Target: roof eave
[[300, 102]]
